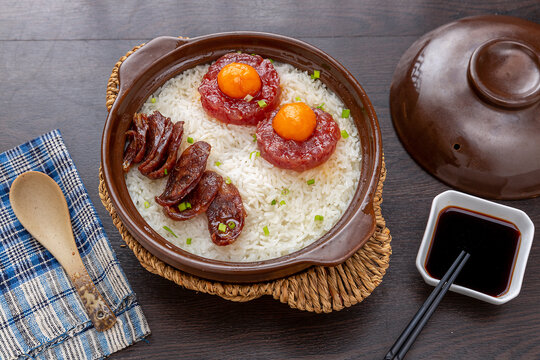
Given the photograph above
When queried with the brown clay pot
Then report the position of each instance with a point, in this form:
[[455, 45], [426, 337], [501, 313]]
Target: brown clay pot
[[165, 57]]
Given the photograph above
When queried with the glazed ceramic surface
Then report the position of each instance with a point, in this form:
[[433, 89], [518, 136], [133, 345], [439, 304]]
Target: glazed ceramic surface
[[163, 58], [465, 102], [515, 216]]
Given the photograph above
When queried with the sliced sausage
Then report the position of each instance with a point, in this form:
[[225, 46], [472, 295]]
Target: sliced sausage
[[199, 199], [172, 149], [155, 130], [186, 174], [131, 150], [141, 126], [136, 147], [226, 215], [157, 154]]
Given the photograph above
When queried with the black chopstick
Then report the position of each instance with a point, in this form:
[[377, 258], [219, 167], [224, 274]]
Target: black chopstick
[[415, 326]]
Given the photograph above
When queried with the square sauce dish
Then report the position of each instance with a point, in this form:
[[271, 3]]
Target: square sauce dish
[[498, 237]]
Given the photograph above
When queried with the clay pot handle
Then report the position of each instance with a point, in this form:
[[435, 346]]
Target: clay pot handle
[[348, 239], [141, 61], [505, 72]]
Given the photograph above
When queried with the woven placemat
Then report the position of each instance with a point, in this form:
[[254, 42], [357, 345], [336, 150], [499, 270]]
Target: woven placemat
[[317, 289]]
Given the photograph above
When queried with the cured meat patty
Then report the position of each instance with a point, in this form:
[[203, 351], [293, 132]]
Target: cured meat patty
[[299, 155], [240, 111]]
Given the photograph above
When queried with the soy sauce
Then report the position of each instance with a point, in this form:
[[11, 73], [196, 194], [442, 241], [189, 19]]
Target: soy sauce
[[492, 243]]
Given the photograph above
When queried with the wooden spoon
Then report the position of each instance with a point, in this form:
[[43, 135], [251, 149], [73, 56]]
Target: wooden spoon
[[40, 206]]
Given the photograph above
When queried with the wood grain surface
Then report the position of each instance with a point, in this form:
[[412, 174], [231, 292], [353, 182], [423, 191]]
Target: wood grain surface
[[55, 59]]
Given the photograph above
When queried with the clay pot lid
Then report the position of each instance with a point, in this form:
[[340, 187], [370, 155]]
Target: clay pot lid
[[465, 102]]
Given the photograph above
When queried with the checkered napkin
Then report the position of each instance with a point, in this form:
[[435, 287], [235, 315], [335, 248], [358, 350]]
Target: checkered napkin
[[41, 315]]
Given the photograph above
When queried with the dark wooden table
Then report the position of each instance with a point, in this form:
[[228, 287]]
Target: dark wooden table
[[55, 59]]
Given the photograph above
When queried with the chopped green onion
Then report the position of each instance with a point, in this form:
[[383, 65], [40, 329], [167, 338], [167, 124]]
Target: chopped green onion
[[266, 232], [253, 54], [344, 134], [282, 202], [190, 140], [217, 163], [188, 241], [182, 206], [262, 103], [316, 74], [239, 52], [222, 227], [231, 225], [153, 100], [228, 180], [254, 137], [274, 202], [188, 205], [248, 98], [321, 106], [169, 230], [285, 191], [319, 218], [272, 61], [146, 204], [257, 154], [166, 172], [297, 99], [345, 113], [310, 181]]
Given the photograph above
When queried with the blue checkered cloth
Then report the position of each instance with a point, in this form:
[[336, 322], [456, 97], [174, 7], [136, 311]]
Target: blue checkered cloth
[[41, 315]]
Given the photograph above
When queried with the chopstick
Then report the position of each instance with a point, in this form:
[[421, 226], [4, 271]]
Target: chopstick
[[415, 326]]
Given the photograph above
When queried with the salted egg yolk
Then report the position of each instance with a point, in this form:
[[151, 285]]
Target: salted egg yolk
[[239, 80], [295, 121]]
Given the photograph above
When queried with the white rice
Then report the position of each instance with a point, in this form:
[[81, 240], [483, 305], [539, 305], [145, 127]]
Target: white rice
[[291, 226]]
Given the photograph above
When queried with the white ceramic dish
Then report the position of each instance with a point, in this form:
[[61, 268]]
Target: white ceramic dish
[[518, 217]]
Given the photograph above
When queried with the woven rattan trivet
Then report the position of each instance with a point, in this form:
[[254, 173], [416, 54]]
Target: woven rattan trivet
[[317, 289]]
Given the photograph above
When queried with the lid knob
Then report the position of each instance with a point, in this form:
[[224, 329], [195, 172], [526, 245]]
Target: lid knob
[[506, 73]]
